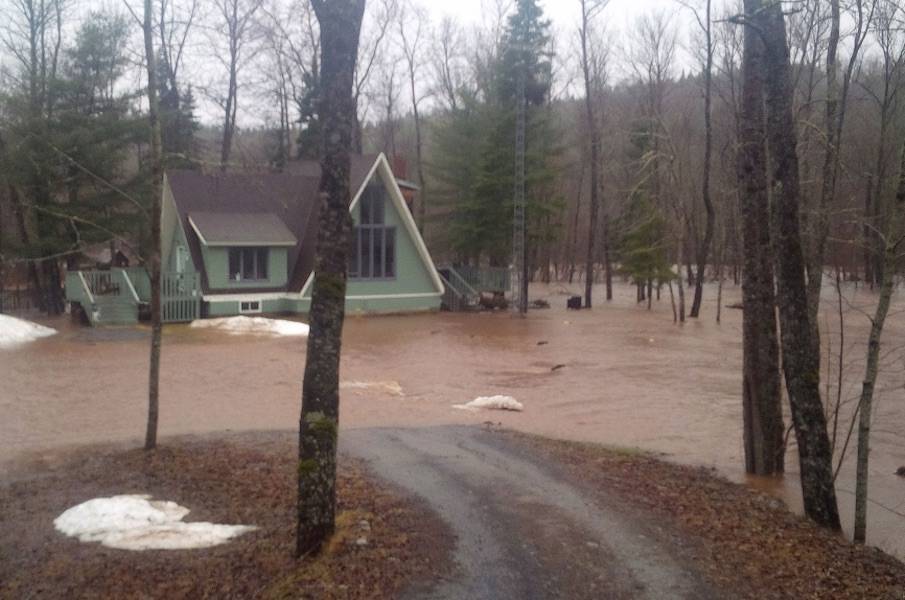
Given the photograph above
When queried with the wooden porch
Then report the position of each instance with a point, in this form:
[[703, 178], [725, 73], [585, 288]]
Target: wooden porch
[[122, 296]]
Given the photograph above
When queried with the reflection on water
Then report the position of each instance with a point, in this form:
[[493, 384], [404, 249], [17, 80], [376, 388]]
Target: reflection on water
[[630, 378]]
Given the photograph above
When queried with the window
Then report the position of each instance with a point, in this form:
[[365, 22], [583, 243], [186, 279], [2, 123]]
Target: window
[[373, 252], [182, 257], [248, 264], [250, 306]]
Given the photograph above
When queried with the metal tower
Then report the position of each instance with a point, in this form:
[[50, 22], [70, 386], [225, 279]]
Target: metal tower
[[519, 257]]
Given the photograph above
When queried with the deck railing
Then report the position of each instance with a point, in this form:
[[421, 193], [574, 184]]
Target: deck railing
[[458, 294], [485, 279], [180, 293]]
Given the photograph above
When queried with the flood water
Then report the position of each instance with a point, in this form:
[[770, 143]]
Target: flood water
[[628, 377]]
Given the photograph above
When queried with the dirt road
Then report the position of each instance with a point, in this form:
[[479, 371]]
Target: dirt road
[[524, 530]]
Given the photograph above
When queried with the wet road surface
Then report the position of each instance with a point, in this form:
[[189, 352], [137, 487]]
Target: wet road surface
[[522, 530]]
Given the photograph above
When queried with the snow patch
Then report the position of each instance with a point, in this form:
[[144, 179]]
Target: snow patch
[[135, 522], [15, 331], [253, 325], [390, 387], [492, 403]]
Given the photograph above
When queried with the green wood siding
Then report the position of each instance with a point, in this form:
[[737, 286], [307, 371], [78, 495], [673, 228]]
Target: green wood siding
[[412, 276], [216, 263], [412, 290]]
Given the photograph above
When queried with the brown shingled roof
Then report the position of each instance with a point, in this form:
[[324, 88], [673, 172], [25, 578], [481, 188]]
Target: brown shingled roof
[[291, 196], [241, 229]]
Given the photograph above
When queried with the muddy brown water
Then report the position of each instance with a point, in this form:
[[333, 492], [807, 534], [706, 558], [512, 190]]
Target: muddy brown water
[[629, 377]]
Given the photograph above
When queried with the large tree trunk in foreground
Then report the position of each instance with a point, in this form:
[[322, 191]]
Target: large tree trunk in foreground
[[154, 258], [800, 364], [340, 25], [893, 240], [761, 392]]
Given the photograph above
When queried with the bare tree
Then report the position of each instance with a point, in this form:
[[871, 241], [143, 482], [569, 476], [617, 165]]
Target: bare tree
[[156, 192], [835, 112], [593, 70], [447, 61], [174, 23], [413, 27], [892, 241], [340, 26], [234, 28], [381, 16], [387, 91], [761, 393], [705, 23], [800, 365], [891, 44]]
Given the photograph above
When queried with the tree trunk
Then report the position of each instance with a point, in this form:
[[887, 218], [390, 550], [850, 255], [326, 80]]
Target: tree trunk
[[828, 185], [154, 256], [893, 239], [761, 393], [679, 283], [607, 264], [800, 365], [340, 25], [594, 138], [704, 248]]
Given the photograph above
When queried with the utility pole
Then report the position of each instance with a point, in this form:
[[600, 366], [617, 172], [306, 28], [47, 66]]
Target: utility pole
[[519, 223]]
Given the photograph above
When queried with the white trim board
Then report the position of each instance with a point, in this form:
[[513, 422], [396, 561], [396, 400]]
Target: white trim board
[[296, 297]]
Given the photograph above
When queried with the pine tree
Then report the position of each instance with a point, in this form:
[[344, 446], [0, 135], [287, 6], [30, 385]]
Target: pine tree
[[477, 143], [643, 247]]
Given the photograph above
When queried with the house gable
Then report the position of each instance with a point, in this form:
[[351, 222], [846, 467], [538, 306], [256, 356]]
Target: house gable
[[416, 276]]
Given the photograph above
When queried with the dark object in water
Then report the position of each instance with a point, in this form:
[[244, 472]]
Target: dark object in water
[[493, 301], [574, 302], [557, 367], [539, 303], [543, 343], [900, 471]]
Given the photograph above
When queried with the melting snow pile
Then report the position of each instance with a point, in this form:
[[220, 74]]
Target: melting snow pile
[[390, 387], [492, 402], [253, 325], [15, 331], [134, 522]]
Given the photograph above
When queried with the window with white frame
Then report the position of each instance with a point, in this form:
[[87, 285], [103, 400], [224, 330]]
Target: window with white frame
[[250, 306], [248, 264], [373, 252]]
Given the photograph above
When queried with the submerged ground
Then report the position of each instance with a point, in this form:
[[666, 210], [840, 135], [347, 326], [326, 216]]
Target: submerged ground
[[618, 375]]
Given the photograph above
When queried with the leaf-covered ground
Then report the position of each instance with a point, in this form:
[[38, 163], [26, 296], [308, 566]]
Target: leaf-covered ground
[[745, 542], [236, 479]]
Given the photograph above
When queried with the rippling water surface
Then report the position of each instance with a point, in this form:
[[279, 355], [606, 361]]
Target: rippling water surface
[[625, 376]]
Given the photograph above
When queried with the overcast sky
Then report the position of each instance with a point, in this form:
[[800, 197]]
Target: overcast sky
[[618, 17]]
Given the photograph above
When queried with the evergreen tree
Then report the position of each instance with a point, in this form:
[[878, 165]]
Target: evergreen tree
[[309, 123], [93, 131], [643, 247], [475, 146]]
